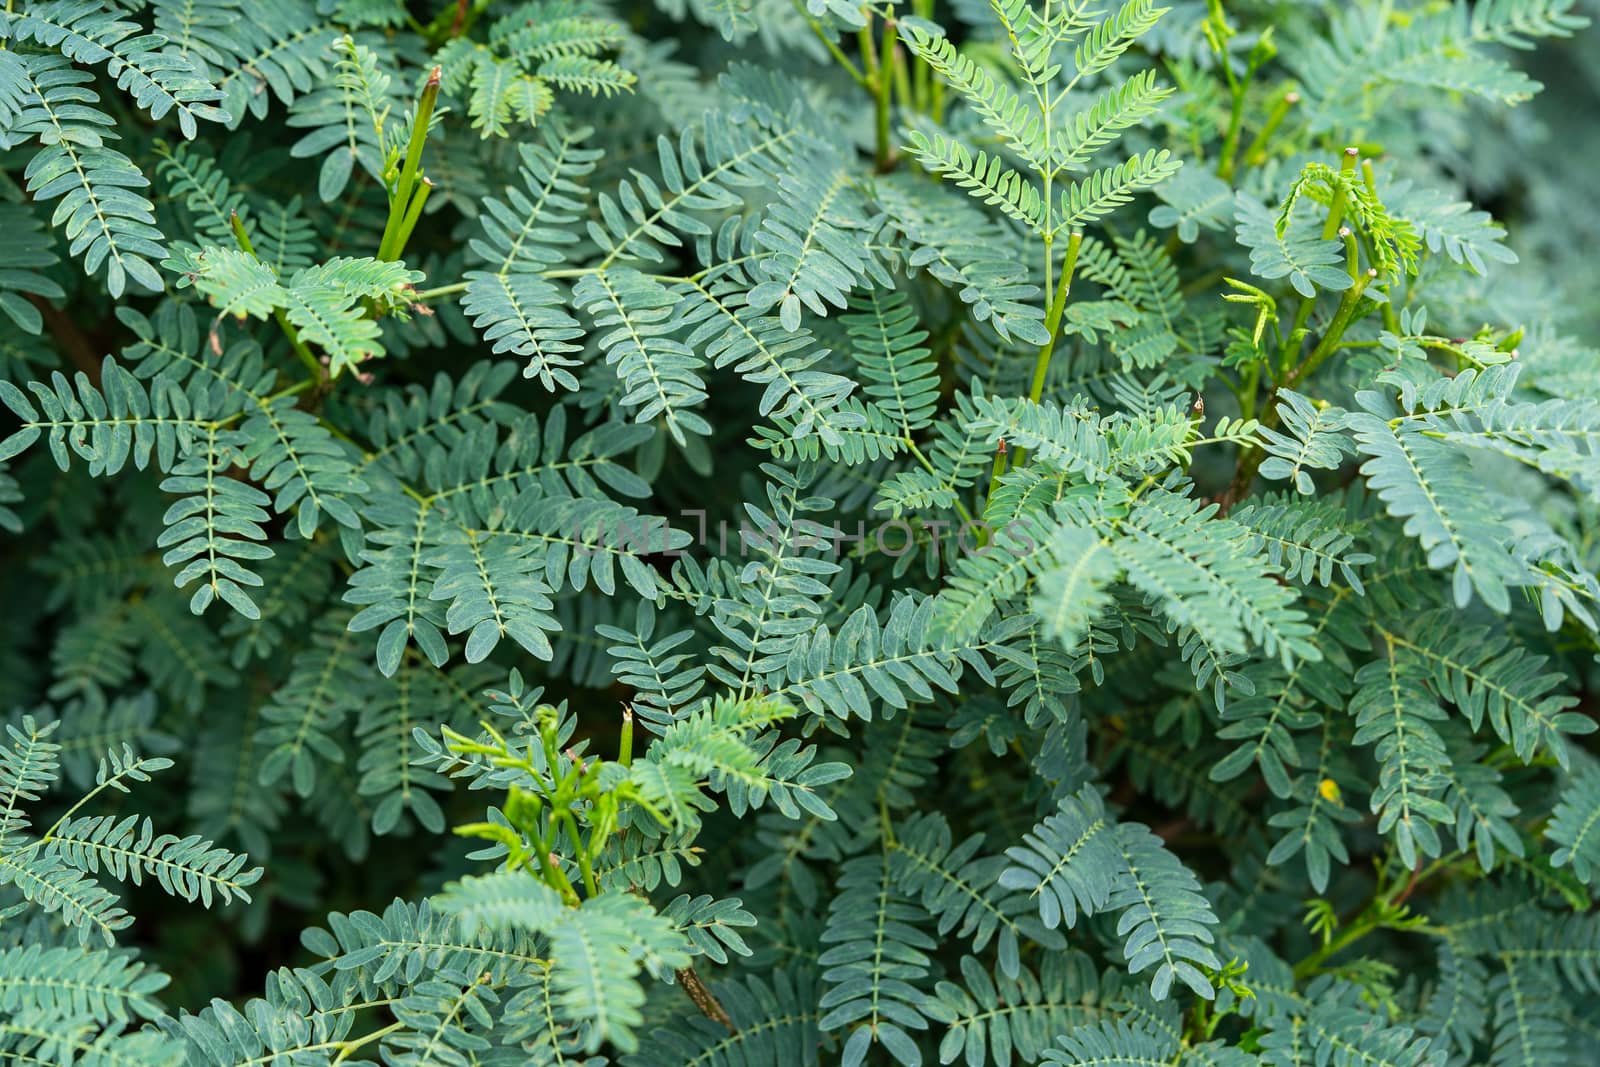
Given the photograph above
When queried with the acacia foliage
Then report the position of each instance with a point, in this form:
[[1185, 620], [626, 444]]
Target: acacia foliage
[[740, 532]]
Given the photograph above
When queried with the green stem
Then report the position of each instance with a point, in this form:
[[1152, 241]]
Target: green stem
[[288, 328], [998, 469], [412, 166], [311, 362], [1290, 345], [927, 465], [50, 834], [298, 387], [1370, 178], [1361, 927], [1330, 230], [1256, 153], [1384, 911], [347, 1047], [1052, 322], [1352, 255], [400, 201], [1200, 1023], [869, 54], [902, 81], [1247, 391], [584, 867], [625, 740], [413, 213], [554, 876], [1230, 140], [443, 290], [1250, 461], [1041, 363], [1342, 318], [883, 84], [834, 50], [1391, 318]]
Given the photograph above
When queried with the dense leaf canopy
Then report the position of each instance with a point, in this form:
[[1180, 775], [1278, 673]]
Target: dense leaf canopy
[[783, 532]]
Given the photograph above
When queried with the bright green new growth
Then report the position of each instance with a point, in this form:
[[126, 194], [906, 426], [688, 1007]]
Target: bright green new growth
[[784, 532]]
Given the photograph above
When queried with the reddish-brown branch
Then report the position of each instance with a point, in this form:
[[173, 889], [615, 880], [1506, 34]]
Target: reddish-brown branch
[[1411, 885]]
